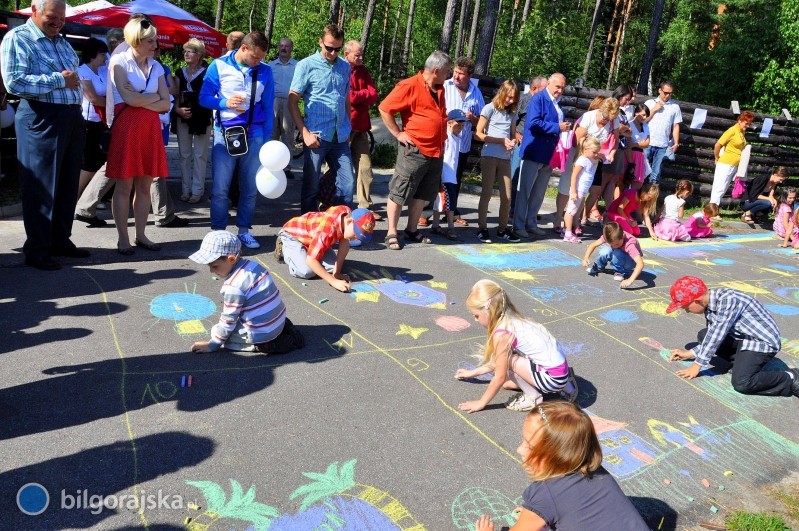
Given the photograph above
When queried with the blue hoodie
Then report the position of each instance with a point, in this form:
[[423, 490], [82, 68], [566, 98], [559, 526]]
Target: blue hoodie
[[224, 78]]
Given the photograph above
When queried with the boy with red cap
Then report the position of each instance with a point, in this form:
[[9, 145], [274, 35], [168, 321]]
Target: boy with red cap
[[739, 330], [306, 242]]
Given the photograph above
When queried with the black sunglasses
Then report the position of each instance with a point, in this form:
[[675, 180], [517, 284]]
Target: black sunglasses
[[145, 24], [332, 49]]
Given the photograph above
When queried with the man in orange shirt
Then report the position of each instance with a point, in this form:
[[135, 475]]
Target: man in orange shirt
[[417, 176]]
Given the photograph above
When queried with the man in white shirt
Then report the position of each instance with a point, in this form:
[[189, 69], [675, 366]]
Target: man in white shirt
[[283, 71], [664, 129]]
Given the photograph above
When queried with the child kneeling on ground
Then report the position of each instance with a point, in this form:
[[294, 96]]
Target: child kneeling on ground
[[619, 248], [306, 243], [253, 313]]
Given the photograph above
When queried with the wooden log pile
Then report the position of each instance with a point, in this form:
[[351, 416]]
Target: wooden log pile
[[694, 160]]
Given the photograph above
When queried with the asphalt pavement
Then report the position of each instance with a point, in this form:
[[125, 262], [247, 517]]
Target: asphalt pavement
[[102, 401]]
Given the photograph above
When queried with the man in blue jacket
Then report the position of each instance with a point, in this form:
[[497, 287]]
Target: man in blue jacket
[[241, 89], [542, 127]]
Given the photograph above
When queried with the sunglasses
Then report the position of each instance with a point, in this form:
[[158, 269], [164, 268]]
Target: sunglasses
[[667, 93], [332, 49], [145, 24]]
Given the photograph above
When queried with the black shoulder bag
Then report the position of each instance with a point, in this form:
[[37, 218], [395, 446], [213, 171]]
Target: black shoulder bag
[[236, 136]]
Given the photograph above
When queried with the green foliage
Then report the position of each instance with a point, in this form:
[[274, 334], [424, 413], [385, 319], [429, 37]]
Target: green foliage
[[744, 521], [384, 156], [777, 85]]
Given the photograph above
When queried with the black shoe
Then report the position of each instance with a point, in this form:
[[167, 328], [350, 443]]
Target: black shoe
[[289, 339], [92, 221], [175, 223], [795, 382], [70, 251], [45, 263], [508, 235], [483, 236]]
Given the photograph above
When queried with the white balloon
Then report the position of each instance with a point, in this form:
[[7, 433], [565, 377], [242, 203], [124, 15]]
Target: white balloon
[[7, 117], [274, 155], [271, 183]]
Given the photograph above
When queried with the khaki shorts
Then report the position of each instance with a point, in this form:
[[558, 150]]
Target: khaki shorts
[[416, 176]]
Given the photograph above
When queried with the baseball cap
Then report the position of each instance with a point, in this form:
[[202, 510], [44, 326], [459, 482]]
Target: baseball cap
[[457, 115], [216, 244], [363, 223], [684, 291]]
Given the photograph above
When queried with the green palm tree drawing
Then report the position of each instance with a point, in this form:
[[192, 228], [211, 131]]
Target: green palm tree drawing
[[240, 506]]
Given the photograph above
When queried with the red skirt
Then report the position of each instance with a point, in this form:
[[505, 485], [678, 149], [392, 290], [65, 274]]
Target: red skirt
[[137, 145]]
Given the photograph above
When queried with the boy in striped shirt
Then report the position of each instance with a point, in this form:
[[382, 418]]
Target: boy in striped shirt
[[253, 315]]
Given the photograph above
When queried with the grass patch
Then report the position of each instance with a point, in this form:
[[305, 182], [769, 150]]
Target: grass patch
[[791, 501], [384, 156], [745, 521]]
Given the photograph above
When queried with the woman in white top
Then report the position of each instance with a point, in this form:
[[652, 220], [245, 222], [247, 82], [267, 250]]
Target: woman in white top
[[137, 150], [93, 77]]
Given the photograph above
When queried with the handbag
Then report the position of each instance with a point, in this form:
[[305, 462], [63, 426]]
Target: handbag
[[739, 188], [236, 137]]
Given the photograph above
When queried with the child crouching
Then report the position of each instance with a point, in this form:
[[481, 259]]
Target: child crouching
[[253, 313], [619, 248]]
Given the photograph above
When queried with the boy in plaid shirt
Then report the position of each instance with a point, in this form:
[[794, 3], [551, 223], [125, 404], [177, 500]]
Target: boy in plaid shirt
[[306, 243]]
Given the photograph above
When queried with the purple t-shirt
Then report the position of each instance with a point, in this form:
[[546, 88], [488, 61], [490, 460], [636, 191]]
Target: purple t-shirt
[[576, 503]]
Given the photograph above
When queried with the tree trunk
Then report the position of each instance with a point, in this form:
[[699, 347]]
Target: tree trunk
[[220, 6], [367, 23], [461, 28], [649, 56], [525, 12], [473, 31], [615, 23], [252, 13], [406, 47], [513, 17], [394, 40], [487, 34], [383, 39], [270, 20], [594, 26], [445, 42], [614, 62], [335, 8]]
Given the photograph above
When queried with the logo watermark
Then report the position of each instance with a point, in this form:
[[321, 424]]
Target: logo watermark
[[33, 499]]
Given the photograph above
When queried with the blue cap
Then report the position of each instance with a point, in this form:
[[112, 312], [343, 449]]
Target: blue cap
[[363, 223], [457, 115]]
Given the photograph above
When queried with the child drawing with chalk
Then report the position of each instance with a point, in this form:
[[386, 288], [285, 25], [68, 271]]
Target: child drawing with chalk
[[253, 313], [521, 353], [306, 243], [700, 224], [670, 227], [569, 489], [618, 248], [643, 201]]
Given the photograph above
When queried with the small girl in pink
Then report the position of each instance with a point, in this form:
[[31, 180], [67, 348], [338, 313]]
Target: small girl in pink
[[783, 219], [521, 353], [699, 225], [670, 228], [629, 201]]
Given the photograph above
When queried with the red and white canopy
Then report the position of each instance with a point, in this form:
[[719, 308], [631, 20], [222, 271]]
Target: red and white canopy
[[76, 10], [175, 26]]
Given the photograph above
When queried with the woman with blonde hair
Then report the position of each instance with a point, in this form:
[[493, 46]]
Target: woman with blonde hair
[[570, 490], [136, 151], [192, 123], [495, 130]]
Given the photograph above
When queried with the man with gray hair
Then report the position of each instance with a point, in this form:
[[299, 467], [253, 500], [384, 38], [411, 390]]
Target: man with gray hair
[[537, 84], [417, 176], [40, 66], [283, 71]]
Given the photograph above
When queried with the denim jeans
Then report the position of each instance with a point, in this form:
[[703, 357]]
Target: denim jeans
[[222, 166], [620, 261], [757, 206], [295, 254], [655, 155], [339, 157], [515, 163]]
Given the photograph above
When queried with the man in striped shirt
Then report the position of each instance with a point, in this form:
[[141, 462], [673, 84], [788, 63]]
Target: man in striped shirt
[[739, 330], [40, 66]]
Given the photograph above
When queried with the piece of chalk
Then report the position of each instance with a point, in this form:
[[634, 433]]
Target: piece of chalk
[[690, 499], [728, 473], [189, 381], [662, 519], [193, 506], [304, 283], [183, 381], [667, 481], [714, 509], [322, 301], [705, 483], [453, 302], [186, 521], [721, 487], [214, 277]]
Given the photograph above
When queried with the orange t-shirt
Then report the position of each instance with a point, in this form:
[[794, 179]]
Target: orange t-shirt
[[424, 120]]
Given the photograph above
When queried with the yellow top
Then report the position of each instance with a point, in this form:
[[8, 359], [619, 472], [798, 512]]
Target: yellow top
[[734, 140]]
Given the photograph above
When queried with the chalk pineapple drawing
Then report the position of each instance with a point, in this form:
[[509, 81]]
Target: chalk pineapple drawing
[[240, 506], [332, 501], [476, 501]]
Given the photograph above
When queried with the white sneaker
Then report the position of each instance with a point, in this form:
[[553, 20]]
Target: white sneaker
[[522, 402], [249, 241], [618, 277]]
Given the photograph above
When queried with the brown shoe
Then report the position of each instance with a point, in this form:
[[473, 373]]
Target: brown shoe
[[423, 222]]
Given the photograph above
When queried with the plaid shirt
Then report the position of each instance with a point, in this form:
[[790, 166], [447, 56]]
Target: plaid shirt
[[318, 231], [324, 89], [32, 65], [731, 312]]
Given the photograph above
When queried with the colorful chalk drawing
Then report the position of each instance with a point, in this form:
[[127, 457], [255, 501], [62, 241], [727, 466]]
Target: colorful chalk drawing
[[474, 502], [398, 288], [451, 323], [619, 315], [784, 267], [574, 349], [745, 287], [623, 451], [407, 330], [186, 309], [695, 248], [782, 309], [657, 308], [788, 292], [333, 500], [520, 276], [520, 257], [553, 294]]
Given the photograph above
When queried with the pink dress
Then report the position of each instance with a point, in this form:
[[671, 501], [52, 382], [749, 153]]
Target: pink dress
[[693, 227], [631, 206], [779, 226], [669, 227]]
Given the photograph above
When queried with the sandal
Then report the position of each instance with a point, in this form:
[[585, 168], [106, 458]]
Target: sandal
[[462, 222], [746, 218], [417, 237], [392, 242]]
